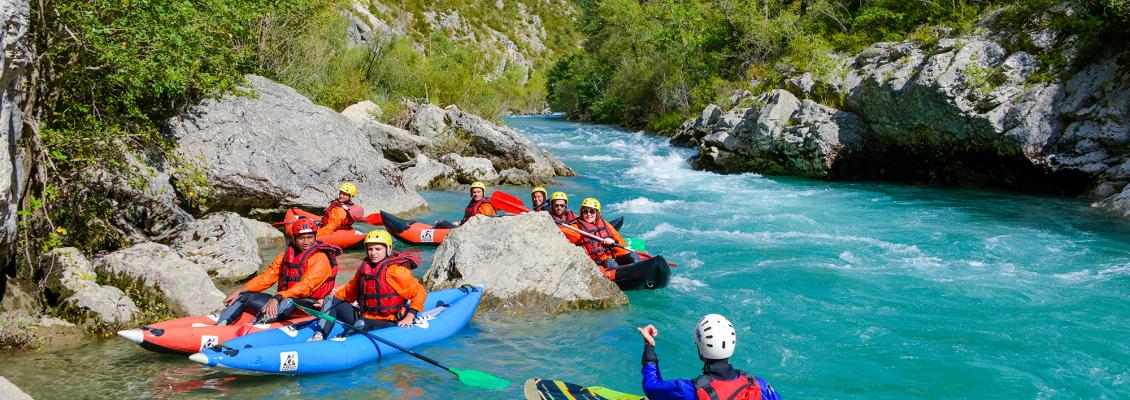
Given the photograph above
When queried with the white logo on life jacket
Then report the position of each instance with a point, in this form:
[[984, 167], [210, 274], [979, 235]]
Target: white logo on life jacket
[[427, 235], [208, 341], [288, 361]]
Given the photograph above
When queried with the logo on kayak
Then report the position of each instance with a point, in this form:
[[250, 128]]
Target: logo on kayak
[[422, 319], [208, 341], [288, 361], [427, 235]]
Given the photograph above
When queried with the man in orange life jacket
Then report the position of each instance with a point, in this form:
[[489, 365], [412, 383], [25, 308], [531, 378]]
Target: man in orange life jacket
[[385, 291], [537, 198], [304, 272], [479, 204], [559, 208], [604, 252], [341, 213], [715, 338]]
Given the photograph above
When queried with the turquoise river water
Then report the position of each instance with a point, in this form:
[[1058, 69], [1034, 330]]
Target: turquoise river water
[[838, 291]]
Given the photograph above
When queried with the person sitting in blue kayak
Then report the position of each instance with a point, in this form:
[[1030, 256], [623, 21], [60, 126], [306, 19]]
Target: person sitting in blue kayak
[[386, 293], [715, 338]]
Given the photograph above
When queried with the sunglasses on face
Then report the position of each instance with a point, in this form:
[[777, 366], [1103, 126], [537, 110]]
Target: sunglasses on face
[[588, 211], [558, 206]]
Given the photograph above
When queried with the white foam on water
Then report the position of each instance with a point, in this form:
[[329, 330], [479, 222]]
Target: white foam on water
[[777, 237], [600, 158], [1087, 275], [644, 205], [686, 284], [976, 264]]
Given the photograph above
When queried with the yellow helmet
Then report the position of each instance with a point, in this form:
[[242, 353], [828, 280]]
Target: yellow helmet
[[479, 185], [379, 236], [539, 189], [559, 196], [591, 203], [348, 188]]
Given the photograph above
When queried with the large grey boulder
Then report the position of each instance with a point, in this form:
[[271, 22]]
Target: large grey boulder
[[81, 299], [23, 324], [396, 144], [786, 136], [223, 244], [277, 149], [525, 265], [470, 169], [505, 147], [15, 56], [427, 173], [145, 209], [267, 235], [161, 277], [10, 391]]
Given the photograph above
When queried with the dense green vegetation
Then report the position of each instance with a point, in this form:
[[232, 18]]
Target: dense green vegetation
[[651, 63], [443, 65], [106, 74]]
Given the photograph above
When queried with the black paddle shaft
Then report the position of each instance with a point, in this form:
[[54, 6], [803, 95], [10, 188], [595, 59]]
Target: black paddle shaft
[[377, 338]]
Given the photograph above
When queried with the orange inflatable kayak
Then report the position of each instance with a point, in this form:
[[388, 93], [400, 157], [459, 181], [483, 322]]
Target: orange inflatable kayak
[[412, 232], [191, 334], [343, 238]]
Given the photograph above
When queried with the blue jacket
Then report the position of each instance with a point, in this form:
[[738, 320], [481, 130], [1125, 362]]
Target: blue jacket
[[655, 388]]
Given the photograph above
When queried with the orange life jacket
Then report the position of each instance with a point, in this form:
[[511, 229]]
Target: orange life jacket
[[377, 295], [597, 251], [565, 219], [294, 267], [349, 220], [473, 208], [743, 387]]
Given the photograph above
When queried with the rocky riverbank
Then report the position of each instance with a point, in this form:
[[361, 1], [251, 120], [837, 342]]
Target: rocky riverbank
[[256, 153], [981, 109]]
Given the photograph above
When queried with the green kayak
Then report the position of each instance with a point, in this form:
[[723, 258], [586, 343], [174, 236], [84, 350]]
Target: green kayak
[[544, 389]]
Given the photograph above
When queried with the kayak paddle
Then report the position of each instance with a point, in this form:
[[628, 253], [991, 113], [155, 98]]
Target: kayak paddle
[[374, 219], [468, 377]]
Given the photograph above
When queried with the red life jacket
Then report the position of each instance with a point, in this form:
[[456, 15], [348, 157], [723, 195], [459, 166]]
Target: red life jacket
[[294, 267], [377, 295], [565, 219], [743, 387], [597, 250], [348, 223], [473, 208]]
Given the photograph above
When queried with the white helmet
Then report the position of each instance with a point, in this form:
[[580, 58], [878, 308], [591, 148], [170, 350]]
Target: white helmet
[[715, 337]]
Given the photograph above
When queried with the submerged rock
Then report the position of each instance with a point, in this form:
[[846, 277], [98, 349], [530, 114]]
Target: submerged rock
[[162, 278], [10, 391], [72, 281], [267, 235], [524, 263], [280, 150], [223, 244]]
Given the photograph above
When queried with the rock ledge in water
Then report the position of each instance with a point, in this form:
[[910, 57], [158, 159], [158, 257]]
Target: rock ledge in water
[[525, 265]]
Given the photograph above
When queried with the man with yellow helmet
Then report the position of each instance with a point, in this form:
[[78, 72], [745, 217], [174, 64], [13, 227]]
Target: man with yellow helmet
[[559, 208], [341, 213], [537, 198], [604, 252], [479, 204], [385, 291]]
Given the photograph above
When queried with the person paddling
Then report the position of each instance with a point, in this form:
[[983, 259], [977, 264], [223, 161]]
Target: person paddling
[[341, 213], [716, 339], [604, 252], [385, 291], [304, 272], [479, 204], [559, 208], [537, 198]]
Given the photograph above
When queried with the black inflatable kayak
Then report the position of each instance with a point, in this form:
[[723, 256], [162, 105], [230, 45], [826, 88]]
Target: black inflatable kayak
[[652, 273]]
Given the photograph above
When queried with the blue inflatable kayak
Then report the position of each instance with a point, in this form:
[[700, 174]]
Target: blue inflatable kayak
[[286, 350]]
